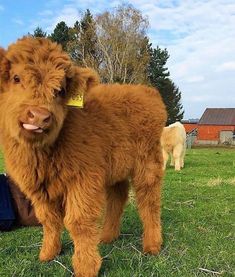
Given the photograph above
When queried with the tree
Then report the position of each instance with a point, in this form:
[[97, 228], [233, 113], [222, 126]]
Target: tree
[[157, 69], [171, 96], [88, 39], [73, 43], [116, 45], [83, 44], [123, 44], [61, 34], [39, 33], [158, 75]]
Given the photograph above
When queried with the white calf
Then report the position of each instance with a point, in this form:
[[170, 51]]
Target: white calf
[[173, 142]]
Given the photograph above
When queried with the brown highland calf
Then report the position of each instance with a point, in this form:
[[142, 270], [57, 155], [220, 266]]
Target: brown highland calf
[[72, 163]]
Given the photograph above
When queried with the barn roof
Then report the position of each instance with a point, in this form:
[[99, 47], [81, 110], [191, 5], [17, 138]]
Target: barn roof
[[218, 116]]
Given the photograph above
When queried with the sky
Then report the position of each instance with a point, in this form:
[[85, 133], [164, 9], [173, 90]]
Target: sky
[[199, 36]]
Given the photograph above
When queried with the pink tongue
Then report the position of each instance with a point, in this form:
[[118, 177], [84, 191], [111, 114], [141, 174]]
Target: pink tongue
[[30, 127]]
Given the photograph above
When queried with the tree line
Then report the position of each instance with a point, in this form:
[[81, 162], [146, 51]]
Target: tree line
[[117, 46]]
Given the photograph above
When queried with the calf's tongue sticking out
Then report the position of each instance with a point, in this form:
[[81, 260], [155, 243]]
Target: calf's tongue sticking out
[[32, 128]]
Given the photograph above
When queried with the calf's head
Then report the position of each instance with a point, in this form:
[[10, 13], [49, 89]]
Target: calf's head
[[37, 79]]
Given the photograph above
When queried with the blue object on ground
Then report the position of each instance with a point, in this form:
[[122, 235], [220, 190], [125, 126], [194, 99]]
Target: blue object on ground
[[7, 213]]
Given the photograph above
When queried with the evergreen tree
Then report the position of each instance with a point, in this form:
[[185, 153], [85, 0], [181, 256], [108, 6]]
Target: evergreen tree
[[39, 33], [171, 96], [158, 75], [61, 34], [83, 42], [157, 69], [88, 34], [73, 44]]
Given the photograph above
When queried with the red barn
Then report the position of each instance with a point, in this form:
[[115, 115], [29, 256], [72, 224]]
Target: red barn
[[189, 126], [217, 126]]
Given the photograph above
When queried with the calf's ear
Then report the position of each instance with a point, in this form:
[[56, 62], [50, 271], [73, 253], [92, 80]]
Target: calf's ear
[[81, 80], [4, 69]]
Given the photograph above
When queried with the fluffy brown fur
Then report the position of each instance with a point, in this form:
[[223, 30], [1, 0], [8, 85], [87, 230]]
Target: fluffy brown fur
[[78, 161], [173, 142]]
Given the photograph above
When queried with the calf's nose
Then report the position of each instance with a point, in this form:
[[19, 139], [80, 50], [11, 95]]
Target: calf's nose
[[38, 116]]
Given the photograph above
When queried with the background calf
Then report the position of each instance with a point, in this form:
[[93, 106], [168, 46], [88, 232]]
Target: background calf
[[173, 142]]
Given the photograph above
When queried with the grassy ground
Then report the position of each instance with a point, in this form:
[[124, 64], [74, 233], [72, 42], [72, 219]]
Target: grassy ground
[[198, 227]]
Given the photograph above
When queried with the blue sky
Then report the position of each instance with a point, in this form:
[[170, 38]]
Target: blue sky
[[199, 35]]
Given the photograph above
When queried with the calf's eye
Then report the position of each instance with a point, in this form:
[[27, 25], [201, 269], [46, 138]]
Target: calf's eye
[[16, 79], [60, 93]]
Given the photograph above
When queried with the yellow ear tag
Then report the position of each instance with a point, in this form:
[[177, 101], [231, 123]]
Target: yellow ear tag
[[76, 101]]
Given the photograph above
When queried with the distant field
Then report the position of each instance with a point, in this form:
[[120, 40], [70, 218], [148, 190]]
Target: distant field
[[198, 227]]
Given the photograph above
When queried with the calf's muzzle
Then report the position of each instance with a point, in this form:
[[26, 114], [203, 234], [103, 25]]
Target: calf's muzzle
[[36, 119]]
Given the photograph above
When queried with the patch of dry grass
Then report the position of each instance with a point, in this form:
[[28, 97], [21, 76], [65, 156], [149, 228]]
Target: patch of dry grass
[[220, 181]]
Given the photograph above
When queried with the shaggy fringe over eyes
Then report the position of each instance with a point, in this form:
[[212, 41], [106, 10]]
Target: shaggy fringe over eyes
[[33, 51], [29, 50]]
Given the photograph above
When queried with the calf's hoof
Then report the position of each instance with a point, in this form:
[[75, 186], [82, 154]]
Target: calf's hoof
[[152, 245], [152, 249], [46, 255], [109, 237], [88, 268]]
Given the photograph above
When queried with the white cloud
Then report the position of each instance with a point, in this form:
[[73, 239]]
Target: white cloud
[[195, 79], [68, 14], [46, 13], [18, 21], [49, 18], [200, 38], [227, 66]]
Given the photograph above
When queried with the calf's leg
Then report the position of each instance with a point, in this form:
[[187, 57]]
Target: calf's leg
[[147, 183], [165, 158], [83, 211], [49, 215], [177, 152], [116, 197], [85, 234]]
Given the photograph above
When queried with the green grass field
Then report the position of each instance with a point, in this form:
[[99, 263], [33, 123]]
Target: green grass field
[[198, 228]]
